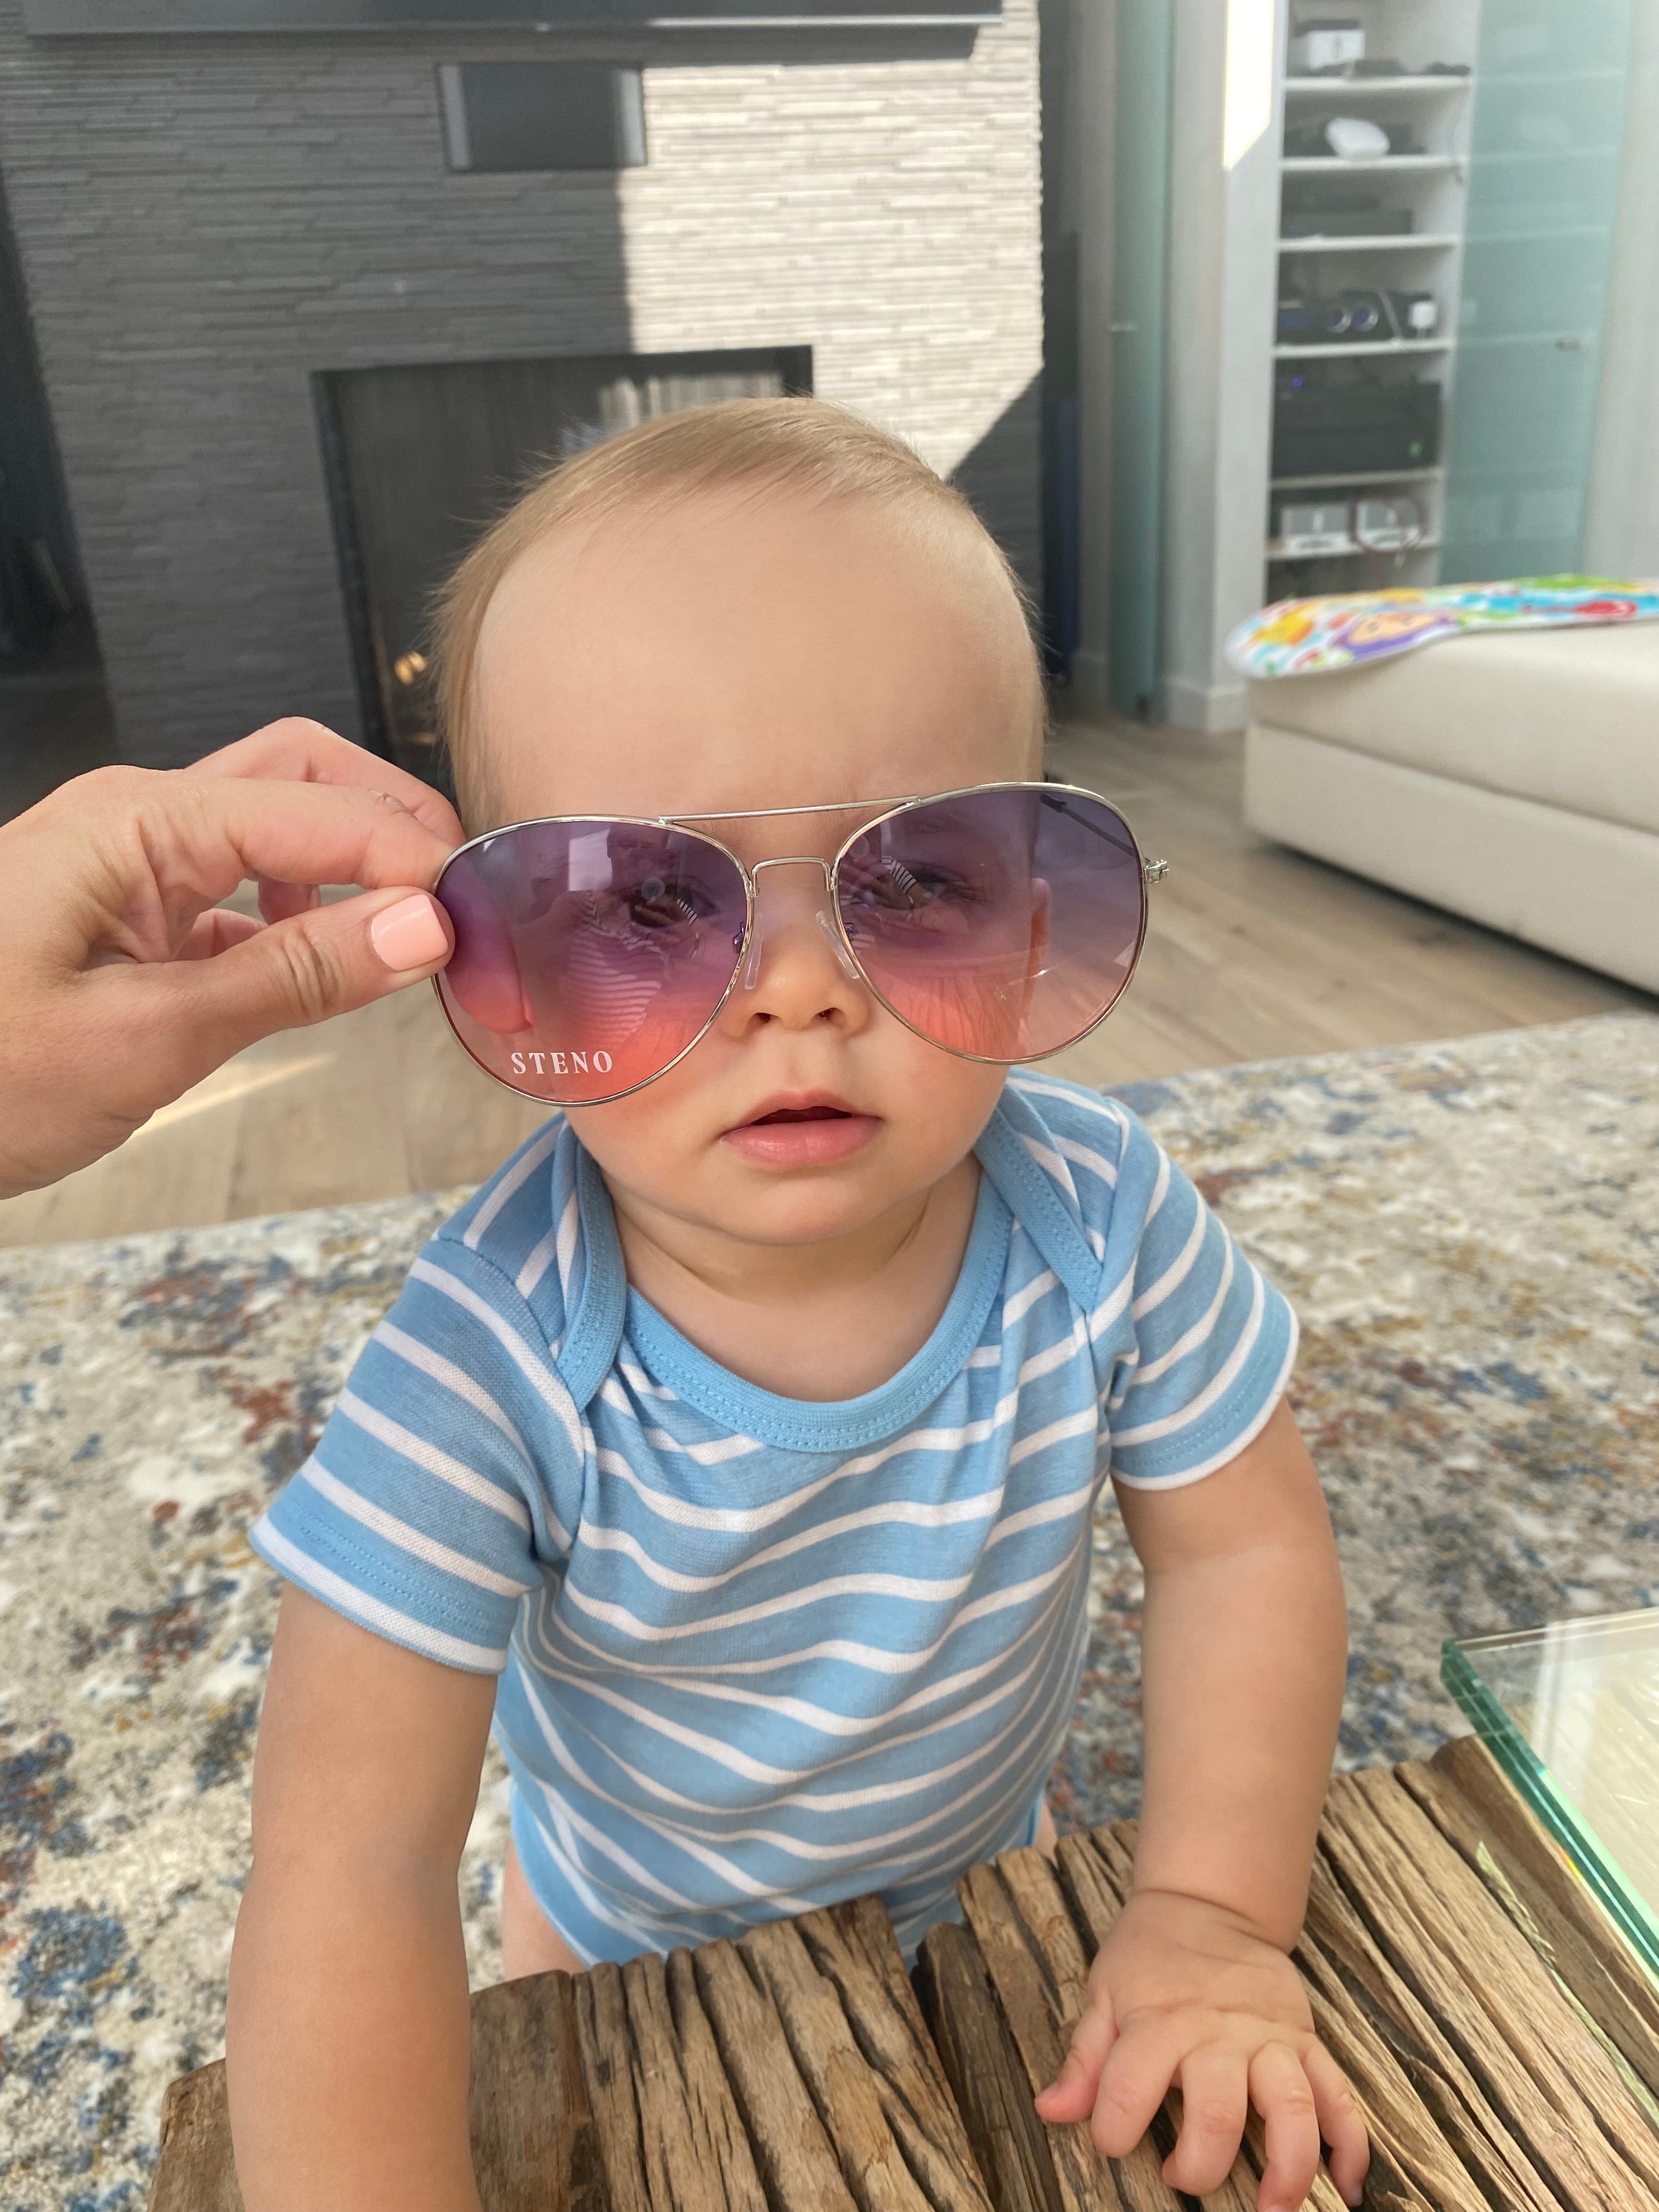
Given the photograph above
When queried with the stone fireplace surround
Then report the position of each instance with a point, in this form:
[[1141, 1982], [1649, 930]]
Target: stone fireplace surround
[[207, 224]]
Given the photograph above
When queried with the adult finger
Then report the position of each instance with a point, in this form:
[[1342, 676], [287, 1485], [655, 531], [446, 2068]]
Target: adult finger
[[209, 835], [278, 901], [1215, 2103], [295, 750], [216, 932], [1281, 2092], [1342, 2123], [1071, 2094], [293, 973], [1134, 2083]]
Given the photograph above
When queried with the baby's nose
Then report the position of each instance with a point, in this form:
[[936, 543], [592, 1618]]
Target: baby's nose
[[792, 896]]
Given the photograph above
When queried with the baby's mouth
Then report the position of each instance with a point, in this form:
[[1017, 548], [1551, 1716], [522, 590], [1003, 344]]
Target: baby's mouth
[[802, 1130], [784, 1107]]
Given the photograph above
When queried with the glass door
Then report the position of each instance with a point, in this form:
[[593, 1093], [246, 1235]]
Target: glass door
[[1140, 256], [1547, 133]]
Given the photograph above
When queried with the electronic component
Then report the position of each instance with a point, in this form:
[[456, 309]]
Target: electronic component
[[1328, 43], [1322, 428]]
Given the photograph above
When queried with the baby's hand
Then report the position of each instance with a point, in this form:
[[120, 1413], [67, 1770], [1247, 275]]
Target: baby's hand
[[1185, 1993]]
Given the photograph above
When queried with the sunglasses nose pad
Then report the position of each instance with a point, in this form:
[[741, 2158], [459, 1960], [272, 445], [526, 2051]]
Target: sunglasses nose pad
[[848, 966], [751, 966]]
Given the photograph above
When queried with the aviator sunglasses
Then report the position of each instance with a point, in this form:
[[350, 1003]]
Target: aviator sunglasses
[[593, 952]]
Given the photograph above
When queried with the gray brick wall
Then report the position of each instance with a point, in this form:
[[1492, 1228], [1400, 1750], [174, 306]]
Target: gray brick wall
[[202, 223]]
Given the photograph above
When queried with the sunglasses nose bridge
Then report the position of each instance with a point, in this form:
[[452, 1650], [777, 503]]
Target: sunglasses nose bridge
[[826, 918]]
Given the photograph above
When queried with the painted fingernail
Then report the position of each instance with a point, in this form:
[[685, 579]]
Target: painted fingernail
[[408, 935]]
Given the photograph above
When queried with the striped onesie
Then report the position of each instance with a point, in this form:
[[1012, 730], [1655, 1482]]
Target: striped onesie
[[757, 1654]]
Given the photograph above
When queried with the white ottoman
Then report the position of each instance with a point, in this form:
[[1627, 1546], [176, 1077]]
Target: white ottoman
[[1512, 776]]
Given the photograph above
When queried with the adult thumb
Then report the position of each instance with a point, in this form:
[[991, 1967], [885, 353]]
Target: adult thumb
[[313, 965]]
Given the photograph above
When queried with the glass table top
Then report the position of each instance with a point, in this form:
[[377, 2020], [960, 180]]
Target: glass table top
[[1572, 1712]]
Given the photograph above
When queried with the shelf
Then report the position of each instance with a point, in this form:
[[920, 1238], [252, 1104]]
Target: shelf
[[1363, 88], [1546, 235], [1385, 349], [1512, 157], [1352, 552], [1355, 475], [1555, 76], [1405, 242], [1328, 164], [1579, 342]]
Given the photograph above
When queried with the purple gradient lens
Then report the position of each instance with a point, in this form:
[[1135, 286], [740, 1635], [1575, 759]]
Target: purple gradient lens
[[999, 924], [589, 955]]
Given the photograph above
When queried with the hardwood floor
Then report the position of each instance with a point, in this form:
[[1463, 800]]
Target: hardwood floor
[[1253, 952]]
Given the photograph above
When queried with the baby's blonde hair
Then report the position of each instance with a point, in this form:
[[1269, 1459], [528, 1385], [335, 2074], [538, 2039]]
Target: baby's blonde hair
[[800, 444]]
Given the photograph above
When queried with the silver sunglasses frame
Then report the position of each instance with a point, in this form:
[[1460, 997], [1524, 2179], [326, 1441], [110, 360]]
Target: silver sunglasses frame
[[1151, 871]]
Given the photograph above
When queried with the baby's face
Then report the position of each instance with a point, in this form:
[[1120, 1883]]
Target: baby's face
[[752, 649]]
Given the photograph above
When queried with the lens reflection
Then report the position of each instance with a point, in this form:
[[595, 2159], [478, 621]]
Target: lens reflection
[[588, 955], [1001, 924]]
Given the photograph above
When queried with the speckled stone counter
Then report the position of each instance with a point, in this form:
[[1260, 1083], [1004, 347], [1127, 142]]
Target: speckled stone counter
[[1470, 1233]]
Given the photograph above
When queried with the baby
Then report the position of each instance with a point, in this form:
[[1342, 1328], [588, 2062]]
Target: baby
[[735, 1450]]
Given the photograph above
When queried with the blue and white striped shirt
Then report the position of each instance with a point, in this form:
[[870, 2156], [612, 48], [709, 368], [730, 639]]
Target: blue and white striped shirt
[[758, 1654]]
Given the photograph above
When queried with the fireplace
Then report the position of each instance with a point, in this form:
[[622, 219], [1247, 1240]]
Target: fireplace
[[420, 458], [226, 235]]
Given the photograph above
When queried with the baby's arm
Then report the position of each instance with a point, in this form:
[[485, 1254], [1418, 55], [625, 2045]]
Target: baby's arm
[[347, 2031], [1243, 1647]]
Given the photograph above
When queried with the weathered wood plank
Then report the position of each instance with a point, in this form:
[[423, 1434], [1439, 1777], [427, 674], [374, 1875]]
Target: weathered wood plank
[[608, 2068], [534, 2139], [986, 2073], [1476, 1807], [1030, 2005], [1336, 1943], [797, 2161], [695, 2157], [834, 2068], [677, 2180], [1412, 2164], [1525, 2008], [1593, 1997], [1399, 1912], [196, 2170], [854, 1945], [716, 2124]]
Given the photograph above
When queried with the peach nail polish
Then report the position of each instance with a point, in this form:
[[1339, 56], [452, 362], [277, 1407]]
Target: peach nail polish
[[408, 935]]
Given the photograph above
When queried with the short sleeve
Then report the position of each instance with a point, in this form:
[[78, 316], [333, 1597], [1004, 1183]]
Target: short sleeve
[[449, 1475], [1193, 1346]]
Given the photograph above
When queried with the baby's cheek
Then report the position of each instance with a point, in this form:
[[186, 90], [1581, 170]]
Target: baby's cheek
[[644, 1138], [934, 1101]]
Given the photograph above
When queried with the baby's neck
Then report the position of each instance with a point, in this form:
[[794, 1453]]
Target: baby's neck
[[823, 1321]]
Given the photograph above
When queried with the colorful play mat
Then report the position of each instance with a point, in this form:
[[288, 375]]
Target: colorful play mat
[[1308, 637]]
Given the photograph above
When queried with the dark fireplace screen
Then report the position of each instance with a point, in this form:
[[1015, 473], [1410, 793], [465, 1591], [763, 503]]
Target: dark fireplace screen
[[420, 460]]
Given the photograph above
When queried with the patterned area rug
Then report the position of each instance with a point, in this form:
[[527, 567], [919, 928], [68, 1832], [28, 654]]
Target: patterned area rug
[[1470, 1232]]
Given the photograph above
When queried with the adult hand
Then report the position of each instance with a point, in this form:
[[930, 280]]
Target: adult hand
[[124, 981]]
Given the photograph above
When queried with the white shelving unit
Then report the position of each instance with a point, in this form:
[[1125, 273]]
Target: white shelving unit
[[1362, 349], [1419, 195], [1326, 164]]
